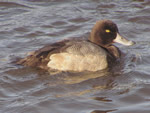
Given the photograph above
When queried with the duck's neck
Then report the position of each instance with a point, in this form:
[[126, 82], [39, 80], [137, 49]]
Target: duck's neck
[[114, 51]]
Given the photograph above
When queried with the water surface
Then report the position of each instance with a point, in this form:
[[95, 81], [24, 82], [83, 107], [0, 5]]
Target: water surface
[[26, 25]]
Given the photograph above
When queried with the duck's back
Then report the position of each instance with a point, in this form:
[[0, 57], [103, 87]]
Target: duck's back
[[74, 55]]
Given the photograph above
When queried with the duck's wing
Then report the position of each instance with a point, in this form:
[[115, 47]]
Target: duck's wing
[[41, 57]]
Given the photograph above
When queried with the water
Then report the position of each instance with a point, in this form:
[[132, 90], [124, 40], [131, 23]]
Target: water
[[26, 25]]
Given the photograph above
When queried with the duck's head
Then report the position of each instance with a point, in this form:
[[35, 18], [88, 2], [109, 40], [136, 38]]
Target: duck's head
[[105, 33]]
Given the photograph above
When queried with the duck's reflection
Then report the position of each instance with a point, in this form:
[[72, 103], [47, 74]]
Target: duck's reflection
[[103, 111], [78, 84], [76, 78]]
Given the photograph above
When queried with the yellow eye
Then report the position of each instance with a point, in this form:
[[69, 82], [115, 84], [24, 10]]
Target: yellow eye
[[107, 31]]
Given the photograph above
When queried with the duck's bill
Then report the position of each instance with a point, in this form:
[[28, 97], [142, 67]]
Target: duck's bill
[[123, 41]]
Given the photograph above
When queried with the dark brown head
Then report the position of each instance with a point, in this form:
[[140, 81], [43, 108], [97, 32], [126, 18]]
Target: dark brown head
[[105, 32]]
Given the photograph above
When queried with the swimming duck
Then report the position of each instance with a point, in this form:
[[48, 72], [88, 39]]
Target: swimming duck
[[93, 54]]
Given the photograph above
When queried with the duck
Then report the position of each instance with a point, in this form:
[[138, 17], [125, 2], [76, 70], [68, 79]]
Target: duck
[[96, 53]]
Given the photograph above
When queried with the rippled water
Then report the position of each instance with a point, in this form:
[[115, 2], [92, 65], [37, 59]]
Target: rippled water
[[26, 25]]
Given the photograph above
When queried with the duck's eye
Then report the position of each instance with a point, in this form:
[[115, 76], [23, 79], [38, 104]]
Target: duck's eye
[[107, 31]]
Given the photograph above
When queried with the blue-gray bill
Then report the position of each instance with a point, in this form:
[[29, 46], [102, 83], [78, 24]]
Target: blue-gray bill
[[121, 40]]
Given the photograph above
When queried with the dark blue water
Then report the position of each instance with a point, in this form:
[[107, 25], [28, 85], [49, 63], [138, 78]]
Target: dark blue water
[[26, 25]]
